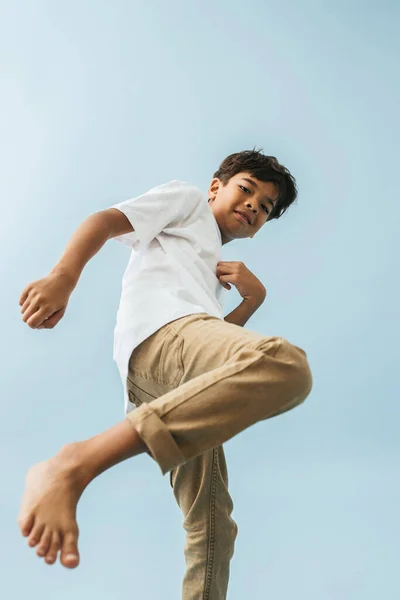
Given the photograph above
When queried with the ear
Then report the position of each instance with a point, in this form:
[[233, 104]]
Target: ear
[[213, 189]]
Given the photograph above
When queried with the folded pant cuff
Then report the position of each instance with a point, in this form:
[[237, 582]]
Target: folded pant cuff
[[157, 438]]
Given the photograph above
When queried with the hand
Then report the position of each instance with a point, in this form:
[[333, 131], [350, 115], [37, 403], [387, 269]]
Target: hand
[[246, 283], [44, 302]]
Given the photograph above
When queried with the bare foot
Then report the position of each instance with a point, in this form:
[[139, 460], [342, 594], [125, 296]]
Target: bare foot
[[48, 509]]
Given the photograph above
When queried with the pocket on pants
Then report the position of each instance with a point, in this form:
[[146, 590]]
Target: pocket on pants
[[137, 395], [171, 367], [156, 366]]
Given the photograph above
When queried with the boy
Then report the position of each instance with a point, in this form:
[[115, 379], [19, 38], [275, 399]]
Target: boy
[[192, 378]]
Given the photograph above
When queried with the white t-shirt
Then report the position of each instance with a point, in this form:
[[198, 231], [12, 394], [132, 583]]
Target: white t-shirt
[[176, 245]]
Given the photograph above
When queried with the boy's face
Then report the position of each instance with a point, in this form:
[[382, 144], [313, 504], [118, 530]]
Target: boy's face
[[246, 194]]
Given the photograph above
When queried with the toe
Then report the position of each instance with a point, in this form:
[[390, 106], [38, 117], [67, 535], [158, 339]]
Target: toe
[[54, 547], [43, 547], [26, 524], [69, 552], [35, 535]]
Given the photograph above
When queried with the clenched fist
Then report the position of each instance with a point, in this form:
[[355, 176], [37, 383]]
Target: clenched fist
[[44, 302]]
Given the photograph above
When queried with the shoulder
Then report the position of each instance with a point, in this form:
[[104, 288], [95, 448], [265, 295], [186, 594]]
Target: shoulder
[[177, 186], [180, 191]]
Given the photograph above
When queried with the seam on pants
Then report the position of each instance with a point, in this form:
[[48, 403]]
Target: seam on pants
[[211, 528]]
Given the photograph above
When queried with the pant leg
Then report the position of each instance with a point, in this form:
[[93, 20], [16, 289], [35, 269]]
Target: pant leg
[[243, 378], [201, 490], [200, 485]]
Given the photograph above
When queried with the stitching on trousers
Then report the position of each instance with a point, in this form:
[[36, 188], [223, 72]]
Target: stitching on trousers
[[211, 533]]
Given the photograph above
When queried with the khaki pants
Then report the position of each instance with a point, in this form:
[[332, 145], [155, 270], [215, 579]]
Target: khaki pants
[[197, 382]]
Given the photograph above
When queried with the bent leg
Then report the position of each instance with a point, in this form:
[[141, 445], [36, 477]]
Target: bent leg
[[244, 378]]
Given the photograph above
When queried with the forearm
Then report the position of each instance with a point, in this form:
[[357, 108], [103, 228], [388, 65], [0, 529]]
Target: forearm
[[242, 313], [87, 240]]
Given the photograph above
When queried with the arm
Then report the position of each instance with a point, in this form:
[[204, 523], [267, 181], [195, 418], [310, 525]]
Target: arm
[[249, 287], [88, 239], [242, 313], [44, 302]]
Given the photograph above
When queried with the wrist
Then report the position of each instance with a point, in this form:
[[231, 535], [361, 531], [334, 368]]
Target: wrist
[[70, 276], [254, 303]]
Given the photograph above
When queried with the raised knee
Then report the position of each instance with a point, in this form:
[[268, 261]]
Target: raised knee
[[297, 370]]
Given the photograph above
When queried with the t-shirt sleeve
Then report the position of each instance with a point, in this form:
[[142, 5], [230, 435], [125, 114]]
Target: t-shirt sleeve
[[153, 211]]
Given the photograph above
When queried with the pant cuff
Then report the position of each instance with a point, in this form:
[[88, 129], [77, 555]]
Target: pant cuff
[[164, 450]]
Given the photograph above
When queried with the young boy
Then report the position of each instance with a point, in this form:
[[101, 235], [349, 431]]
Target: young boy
[[192, 378]]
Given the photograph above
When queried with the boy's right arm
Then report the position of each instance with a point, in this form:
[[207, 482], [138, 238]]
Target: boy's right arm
[[44, 301], [88, 239]]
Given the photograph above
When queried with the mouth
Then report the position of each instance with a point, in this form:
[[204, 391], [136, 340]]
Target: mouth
[[242, 217]]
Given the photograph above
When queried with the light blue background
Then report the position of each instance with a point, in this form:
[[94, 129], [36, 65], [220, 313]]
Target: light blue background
[[100, 101]]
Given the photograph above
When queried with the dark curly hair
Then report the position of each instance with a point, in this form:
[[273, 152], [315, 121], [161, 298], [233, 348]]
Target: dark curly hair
[[265, 168]]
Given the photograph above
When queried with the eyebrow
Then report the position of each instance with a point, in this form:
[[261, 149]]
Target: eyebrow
[[252, 182]]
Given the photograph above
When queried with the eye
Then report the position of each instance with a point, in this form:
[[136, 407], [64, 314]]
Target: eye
[[265, 208], [245, 189]]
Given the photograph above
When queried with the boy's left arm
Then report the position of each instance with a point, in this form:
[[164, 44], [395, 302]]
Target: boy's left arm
[[242, 313], [249, 287]]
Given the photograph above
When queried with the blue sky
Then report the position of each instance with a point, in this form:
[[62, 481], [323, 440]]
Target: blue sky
[[100, 101]]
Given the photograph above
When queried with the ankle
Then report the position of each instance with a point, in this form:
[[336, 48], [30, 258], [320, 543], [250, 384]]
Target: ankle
[[74, 460], [83, 461]]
